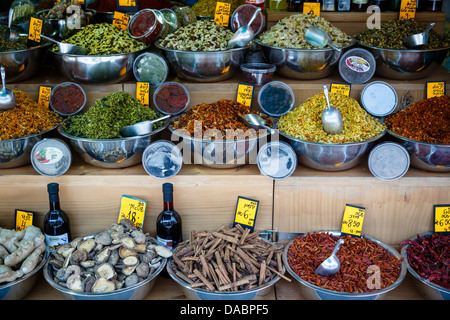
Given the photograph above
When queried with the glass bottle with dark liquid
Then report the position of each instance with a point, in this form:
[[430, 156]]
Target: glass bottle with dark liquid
[[56, 221], [168, 223]]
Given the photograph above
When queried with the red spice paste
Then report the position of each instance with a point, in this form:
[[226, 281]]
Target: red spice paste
[[144, 22], [67, 99], [171, 98]]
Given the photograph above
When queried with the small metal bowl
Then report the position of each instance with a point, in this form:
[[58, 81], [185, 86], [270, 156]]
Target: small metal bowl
[[428, 289], [406, 64], [61, 28], [303, 63], [16, 152], [313, 292], [424, 155], [204, 66], [112, 153], [19, 288], [331, 156]]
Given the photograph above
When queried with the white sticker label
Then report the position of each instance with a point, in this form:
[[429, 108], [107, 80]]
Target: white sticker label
[[53, 242], [357, 64], [50, 155]]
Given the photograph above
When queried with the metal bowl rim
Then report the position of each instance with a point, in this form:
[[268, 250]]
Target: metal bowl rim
[[50, 280], [334, 144], [31, 136], [41, 46], [402, 50], [35, 270], [390, 249], [98, 56], [404, 254], [156, 43], [304, 50], [415, 141]]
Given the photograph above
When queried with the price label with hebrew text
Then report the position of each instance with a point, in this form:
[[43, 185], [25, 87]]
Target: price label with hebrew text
[[442, 218], [24, 218], [121, 20], [352, 221], [44, 95], [143, 93], [245, 94], [407, 10], [222, 13], [311, 8], [35, 29], [341, 88], [435, 88], [246, 210], [133, 209]]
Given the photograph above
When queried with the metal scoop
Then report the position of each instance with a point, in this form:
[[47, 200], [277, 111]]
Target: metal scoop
[[140, 128], [67, 47], [7, 96], [244, 34], [256, 122], [11, 34], [319, 38], [331, 265], [331, 117], [419, 39]]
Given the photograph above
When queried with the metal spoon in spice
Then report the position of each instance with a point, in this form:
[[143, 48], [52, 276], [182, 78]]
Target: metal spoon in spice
[[7, 96], [244, 34], [331, 265], [319, 38], [256, 122], [67, 48], [418, 39], [11, 34], [331, 116], [140, 128]]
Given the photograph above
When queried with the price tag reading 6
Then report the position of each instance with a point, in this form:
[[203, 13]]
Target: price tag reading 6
[[442, 218], [132, 209], [246, 210], [352, 221], [222, 14]]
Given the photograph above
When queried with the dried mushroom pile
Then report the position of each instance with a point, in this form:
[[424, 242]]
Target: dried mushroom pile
[[20, 252], [119, 257], [228, 259]]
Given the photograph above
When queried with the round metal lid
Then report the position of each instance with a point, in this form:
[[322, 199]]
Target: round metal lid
[[379, 98], [276, 98], [357, 66], [51, 157], [277, 160], [388, 161], [162, 159]]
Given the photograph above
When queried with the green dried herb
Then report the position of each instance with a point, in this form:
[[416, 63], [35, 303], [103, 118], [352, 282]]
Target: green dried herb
[[8, 45], [108, 115]]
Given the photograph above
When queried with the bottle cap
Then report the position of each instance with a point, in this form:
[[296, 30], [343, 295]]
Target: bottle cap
[[53, 187], [167, 187]]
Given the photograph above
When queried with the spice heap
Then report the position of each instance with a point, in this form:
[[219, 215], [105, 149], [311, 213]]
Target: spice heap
[[305, 121], [392, 35], [427, 120], [8, 45], [355, 255], [229, 259], [289, 32], [202, 35], [222, 115], [429, 256], [27, 118], [103, 39], [108, 115], [207, 7]]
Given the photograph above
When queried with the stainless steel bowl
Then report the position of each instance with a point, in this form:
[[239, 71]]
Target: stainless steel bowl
[[428, 289], [303, 64], [62, 28], [331, 156], [18, 289], [426, 156], [220, 154], [104, 69], [22, 64], [16, 152], [112, 153], [204, 66], [313, 292], [406, 64]]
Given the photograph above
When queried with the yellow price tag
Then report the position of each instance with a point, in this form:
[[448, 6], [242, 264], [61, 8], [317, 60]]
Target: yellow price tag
[[121, 20], [132, 209], [407, 10], [143, 93], [246, 210], [35, 29], [352, 221], [127, 3], [23, 219], [245, 94], [442, 218], [44, 95], [435, 89], [222, 14], [311, 8], [341, 88]]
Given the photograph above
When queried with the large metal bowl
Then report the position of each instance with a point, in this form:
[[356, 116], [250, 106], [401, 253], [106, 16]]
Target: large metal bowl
[[22, 64], [331, 156], [303, 64], [18, 289], [204, 66], [16, 152], [220, 154], [426, 156], [104, 69], [313, 292], [112, 153], [428, 289], [406, 64]]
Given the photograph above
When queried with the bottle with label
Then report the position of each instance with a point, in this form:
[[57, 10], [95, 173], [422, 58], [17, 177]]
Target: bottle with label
[[295, 6], [328, 5], [360, 5], [56, 221], [433, 5], [168, 223], [343, 5]]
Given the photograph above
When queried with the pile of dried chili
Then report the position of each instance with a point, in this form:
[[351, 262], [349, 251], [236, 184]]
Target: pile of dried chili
[[427, 120], [429, 256], [27, 118], [356, 255]]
